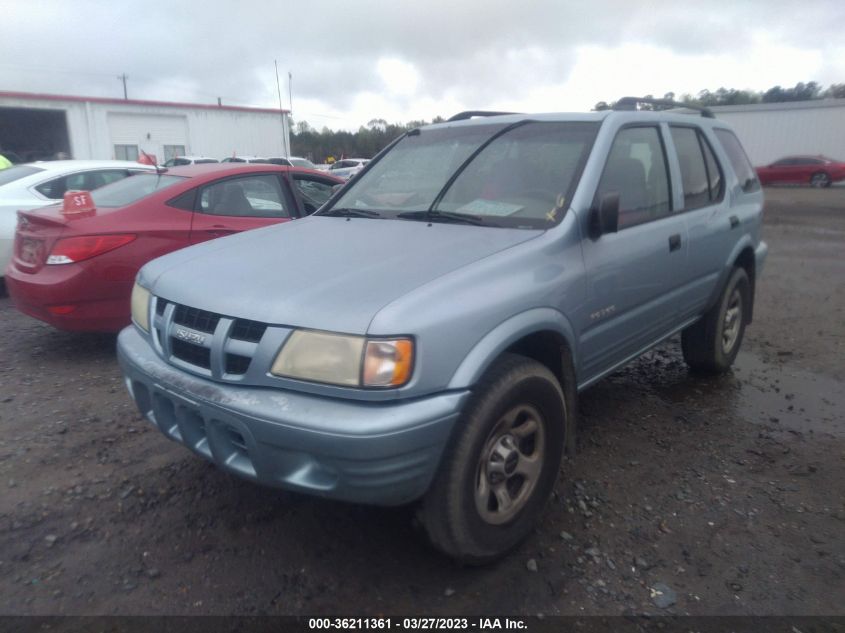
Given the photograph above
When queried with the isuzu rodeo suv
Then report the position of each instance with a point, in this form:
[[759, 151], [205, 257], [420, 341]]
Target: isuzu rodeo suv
[[423, 336]]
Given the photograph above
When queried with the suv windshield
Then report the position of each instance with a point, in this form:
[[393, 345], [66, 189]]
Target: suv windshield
[[519, 175], [128, 190]]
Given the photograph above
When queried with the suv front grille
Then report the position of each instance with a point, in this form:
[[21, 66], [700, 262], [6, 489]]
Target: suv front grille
[[245, 330], [190, 353], [185, 336], [196, 319]]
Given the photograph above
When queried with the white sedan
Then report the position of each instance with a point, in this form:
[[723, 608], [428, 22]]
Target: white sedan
[[347, 167], [38, 184]]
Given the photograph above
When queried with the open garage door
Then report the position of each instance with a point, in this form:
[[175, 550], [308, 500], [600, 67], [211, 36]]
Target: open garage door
[[34, 134]]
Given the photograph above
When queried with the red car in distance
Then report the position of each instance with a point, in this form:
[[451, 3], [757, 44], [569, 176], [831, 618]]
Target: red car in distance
[[818, 171], [75, 270]]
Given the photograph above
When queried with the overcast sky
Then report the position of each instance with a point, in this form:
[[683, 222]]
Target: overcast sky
[[358, 60]]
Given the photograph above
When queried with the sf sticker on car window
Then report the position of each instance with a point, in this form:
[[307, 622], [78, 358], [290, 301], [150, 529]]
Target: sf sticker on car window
[[551, 216]]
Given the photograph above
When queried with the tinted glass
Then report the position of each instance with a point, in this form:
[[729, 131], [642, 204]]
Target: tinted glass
[[520, 178], [53, 189], [17, 172], [250, 196], [636, 170], [714, 171], [314, 193], [739, 160], [129, 190], [693, 170]]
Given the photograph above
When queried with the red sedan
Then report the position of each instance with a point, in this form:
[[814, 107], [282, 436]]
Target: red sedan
[[75, 270], [818, 171]]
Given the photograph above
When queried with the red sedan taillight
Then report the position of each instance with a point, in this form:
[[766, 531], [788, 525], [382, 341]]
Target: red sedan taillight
[[76, 249]]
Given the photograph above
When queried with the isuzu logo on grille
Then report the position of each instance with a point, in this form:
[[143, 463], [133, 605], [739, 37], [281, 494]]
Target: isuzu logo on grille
[[184, 334]]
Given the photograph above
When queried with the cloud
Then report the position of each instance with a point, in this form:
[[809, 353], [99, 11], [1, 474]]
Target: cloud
[[407, 60]]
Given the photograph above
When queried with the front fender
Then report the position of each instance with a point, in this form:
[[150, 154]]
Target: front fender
[[506, 334]]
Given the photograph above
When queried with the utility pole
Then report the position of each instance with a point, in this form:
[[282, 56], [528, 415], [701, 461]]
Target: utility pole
[[281, 110], [123, 78]]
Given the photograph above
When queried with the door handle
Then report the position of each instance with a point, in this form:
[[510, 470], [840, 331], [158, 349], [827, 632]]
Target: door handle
[[734, 221], [674, 242]]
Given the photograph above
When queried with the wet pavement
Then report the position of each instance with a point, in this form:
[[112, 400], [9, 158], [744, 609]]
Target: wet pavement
[[688, 495]]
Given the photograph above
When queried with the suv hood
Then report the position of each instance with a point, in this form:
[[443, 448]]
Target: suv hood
[[321, 272]]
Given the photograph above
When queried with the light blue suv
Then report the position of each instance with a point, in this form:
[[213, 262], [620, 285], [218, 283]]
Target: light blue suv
[[424, 335]]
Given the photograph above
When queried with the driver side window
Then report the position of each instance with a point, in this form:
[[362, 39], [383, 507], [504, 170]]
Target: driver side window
[[636, 170]]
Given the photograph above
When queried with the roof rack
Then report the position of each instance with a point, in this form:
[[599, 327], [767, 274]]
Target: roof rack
[[463, 116], [630, 103]]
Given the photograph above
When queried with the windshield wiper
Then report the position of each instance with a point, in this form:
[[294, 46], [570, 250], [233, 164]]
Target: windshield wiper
[[351, 213], [442, 216]]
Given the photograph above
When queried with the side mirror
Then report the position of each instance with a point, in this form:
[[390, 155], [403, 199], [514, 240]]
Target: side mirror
[[604, 218]]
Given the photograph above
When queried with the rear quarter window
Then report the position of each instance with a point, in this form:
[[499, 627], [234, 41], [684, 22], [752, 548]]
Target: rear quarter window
[[739, 160]]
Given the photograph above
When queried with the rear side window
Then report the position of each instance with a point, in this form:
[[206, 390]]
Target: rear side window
[[700, 173], [636, 170], [739, 160]]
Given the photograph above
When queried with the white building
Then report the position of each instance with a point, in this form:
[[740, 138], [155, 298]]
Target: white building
[[38, 126], [769, 131]]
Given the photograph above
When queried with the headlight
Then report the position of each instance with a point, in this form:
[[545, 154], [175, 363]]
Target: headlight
[[345, 360], [141, 307]]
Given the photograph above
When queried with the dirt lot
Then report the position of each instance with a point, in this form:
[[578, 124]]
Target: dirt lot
[[727, 491]]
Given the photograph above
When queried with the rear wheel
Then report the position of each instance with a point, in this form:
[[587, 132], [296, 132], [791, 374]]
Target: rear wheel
[[711, 344], [502, 464], [820, 179]]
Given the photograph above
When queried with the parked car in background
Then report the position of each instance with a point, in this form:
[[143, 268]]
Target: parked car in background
[[33, 185], [245, 159], [292, 161], [181, 161], [75, 271], [347, 167], [424, 335], [298, 161], [818, 171]]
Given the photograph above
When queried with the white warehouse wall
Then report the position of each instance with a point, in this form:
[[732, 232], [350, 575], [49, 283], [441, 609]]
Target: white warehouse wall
[[769, 131], [95, 126]]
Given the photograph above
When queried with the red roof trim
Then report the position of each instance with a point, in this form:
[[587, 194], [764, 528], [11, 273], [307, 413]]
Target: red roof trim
[[138, 102]]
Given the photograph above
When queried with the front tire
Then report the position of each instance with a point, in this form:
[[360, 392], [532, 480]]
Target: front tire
[[710, 345], [501, 465]]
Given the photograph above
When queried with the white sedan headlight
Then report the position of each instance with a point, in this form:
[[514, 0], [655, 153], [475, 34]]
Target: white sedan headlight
[[340, 359], [141, 307]]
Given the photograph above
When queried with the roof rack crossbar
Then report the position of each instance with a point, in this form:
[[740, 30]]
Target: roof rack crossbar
[[630, 103], [468, 114]]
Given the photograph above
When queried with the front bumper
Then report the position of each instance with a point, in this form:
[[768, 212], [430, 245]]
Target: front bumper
[[383, 453]]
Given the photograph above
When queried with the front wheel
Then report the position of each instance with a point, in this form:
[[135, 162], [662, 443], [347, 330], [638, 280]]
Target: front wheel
[[711, 344], [502, 464]]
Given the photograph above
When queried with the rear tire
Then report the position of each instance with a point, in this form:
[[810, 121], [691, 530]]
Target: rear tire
[[711, 344], [820, 179], [501, 464]]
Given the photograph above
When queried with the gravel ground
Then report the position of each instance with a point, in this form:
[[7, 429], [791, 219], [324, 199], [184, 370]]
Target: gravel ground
[[688, 495]]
